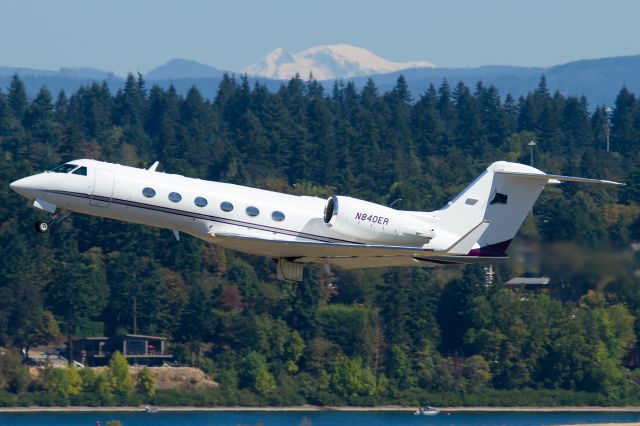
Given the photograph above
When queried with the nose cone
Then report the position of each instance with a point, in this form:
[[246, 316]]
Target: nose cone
[[27, 187]]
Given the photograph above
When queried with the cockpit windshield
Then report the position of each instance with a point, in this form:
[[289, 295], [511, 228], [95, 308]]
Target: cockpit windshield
[[82, 171], [64, 168]]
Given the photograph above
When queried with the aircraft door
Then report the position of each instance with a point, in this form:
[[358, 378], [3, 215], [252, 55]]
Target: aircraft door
[[102, 188]]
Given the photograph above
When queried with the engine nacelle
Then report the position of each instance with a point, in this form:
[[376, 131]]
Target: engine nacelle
[[375, 223]]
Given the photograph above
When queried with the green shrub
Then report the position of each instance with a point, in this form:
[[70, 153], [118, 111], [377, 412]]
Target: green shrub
[[120, 375]]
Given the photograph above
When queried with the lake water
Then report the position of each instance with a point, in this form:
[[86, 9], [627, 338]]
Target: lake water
[[233, 418]]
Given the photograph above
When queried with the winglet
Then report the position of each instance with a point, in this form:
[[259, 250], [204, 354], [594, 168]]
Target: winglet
[[466, 243], [154, 166]]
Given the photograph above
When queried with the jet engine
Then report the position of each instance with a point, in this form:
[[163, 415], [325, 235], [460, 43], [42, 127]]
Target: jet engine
[[375, 223]]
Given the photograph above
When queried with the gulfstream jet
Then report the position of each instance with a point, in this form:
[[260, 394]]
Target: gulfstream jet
[[476, 226]]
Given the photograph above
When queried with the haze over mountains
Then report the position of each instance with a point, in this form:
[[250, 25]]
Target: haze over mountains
[[597, 79]]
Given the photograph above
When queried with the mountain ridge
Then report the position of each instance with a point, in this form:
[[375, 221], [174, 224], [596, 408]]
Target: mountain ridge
[[597, 79], [183, 68]]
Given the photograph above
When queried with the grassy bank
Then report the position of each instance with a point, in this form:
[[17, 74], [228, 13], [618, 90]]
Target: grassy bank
[[203, 398]]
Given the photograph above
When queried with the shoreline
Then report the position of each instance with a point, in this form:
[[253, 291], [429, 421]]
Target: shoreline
[[316, 408]]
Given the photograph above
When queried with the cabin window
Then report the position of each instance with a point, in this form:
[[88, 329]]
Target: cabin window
[[64, 168], [175, 197], [149, 192], [252, 211], [82, 171], [277, 216], [200, 202], [226, 206]]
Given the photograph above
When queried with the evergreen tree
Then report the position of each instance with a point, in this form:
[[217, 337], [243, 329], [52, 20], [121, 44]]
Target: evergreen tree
[[17, 97], [339, 334], [625, 136], [146, 383]]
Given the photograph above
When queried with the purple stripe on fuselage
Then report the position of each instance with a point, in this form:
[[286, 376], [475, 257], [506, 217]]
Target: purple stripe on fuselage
[[492, 250]]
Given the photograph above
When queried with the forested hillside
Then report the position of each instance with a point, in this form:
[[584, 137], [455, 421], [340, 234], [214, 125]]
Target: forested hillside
[[361, 337]]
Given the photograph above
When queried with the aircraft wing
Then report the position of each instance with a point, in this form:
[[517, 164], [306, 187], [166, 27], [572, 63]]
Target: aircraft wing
[[314, 249], [386, 261]]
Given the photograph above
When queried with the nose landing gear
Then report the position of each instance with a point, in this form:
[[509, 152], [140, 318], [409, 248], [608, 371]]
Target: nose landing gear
[[42, 227]]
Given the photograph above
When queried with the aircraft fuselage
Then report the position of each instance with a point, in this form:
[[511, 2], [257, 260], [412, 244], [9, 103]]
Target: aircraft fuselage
[[476, 226]]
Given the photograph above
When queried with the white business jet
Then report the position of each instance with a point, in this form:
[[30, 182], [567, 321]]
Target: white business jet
[[476, 226]]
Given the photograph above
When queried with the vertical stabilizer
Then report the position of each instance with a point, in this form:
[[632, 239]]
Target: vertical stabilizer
[[501, 199]]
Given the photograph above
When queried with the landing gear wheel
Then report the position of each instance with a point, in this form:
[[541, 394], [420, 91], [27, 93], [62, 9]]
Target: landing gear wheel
[[42, 227]]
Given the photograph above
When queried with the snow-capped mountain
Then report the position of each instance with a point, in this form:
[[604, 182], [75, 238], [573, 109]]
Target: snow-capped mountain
[[327, 62]]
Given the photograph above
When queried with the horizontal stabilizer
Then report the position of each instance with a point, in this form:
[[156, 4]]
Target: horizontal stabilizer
[[546, 178], [466, 243]]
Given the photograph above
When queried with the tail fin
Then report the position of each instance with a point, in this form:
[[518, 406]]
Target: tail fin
[[502, 195]]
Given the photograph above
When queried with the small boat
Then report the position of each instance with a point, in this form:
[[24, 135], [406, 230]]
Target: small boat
[[151, 410], [426, 411]]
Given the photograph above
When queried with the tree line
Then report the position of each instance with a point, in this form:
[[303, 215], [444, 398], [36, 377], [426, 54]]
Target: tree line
[[364, 336]]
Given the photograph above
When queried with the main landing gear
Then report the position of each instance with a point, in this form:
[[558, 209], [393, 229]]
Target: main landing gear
[[42, 227]]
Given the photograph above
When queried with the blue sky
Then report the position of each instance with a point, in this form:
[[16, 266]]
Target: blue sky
[[138, 35]]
